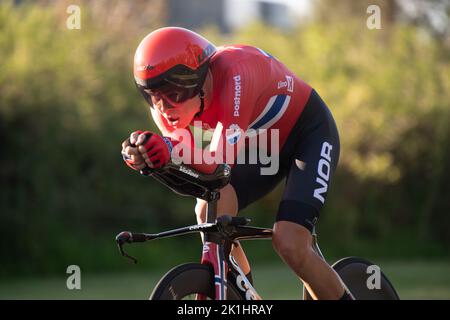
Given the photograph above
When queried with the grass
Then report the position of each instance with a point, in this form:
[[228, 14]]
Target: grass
[[413, 280]]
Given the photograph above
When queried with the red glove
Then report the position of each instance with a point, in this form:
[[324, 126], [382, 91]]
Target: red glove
[[131, 154], [154, 148]]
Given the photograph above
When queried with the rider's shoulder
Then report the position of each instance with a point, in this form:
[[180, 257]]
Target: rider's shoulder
[[230, 57]]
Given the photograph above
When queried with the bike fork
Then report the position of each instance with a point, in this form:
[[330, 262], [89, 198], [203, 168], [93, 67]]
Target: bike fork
[[213, 254]]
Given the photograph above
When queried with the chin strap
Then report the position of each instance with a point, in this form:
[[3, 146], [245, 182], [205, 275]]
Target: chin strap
[[201, 95]]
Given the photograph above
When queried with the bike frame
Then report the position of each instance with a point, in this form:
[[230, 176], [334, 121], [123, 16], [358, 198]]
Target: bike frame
[[219, 239], [218, 242], [219, 234]]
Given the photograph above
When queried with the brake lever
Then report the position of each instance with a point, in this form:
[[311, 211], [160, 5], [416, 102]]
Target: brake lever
[[123, 253], [121, 239]]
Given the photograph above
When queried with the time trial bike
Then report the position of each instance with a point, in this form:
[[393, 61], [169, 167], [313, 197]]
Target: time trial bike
[[218, 275]]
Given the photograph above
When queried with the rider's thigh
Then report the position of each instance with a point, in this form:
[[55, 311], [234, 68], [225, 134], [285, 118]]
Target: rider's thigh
[[293, 242], [250, 185], [311, 167], [227, 204]]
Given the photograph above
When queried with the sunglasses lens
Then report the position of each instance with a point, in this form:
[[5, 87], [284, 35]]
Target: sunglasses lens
[[171, 92]]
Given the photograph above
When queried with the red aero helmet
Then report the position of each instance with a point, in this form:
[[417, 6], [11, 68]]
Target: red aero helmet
[[172, 62]]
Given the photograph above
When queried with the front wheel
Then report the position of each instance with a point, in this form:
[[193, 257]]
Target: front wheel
[[358, 274], [185, 281]]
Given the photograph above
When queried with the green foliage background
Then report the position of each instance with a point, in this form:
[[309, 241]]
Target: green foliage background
[[67, 101]]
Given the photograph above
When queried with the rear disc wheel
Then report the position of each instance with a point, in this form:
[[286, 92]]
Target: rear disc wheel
[[355, 272]]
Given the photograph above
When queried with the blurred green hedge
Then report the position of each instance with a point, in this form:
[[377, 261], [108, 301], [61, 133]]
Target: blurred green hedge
[[67, 100]]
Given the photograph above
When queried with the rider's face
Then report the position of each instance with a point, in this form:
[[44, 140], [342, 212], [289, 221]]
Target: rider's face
[[178, 115]]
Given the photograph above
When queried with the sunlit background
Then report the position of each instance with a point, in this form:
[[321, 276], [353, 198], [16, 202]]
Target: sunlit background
[[67, 101]]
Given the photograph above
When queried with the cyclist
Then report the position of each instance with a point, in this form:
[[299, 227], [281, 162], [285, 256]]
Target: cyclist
[[232, 90]]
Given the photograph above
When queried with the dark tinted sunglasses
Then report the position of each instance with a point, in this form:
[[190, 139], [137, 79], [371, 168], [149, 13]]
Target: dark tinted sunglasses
[[177, 84], [168, 91]]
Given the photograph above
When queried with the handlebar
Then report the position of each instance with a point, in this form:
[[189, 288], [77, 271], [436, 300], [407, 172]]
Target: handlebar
[[224, 224], [129, 237]]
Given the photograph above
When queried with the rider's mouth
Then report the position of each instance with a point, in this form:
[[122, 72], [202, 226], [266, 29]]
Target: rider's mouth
[[173, 120]]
